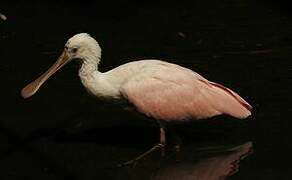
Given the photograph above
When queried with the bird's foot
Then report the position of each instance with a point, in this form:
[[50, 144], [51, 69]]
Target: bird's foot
[[133, 162], [176, 148]]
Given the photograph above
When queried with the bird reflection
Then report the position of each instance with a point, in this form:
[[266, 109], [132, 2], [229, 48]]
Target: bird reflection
[[209, 165]]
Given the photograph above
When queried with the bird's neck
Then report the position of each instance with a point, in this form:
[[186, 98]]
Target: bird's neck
[[88, 70], [96, 82], [89, 66]]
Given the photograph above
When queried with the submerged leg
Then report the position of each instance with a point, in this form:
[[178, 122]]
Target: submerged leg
[[160, 145], [177, 146]]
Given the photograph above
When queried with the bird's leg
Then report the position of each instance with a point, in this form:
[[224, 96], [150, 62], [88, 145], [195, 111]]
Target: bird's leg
[[160, 145], [162, 141]]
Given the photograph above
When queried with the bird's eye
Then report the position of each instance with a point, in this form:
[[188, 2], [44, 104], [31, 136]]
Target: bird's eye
[[74, 50]]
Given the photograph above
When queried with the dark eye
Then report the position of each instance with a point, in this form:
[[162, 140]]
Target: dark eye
[[74, 50]]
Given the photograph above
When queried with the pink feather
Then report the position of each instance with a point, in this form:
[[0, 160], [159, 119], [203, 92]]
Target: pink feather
[[173, 93]]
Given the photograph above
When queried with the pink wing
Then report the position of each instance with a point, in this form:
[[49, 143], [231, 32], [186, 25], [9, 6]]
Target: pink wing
[[170, 92]]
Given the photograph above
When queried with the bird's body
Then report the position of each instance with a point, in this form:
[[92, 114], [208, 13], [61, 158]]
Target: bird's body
[[165, 91], [161, 90]]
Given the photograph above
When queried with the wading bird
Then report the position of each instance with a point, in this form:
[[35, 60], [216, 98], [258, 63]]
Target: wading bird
[[164, 91]]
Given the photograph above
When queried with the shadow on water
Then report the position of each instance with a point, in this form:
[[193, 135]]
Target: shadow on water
[[210, 161], [209, 164], [57, 151]]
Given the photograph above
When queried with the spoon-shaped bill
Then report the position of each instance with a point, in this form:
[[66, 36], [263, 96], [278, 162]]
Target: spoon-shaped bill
[[33, 87]]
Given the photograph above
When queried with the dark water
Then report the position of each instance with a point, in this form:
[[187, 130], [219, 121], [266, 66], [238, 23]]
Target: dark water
[[63, 133]]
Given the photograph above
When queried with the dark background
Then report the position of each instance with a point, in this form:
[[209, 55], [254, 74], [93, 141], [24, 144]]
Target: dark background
[[63, 133]]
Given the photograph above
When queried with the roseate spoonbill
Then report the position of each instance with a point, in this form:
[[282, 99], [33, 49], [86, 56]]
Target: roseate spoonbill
[[163, 91]]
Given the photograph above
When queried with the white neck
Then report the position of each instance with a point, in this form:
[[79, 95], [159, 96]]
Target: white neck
[[88, 68], [96, 82], [89, 64]]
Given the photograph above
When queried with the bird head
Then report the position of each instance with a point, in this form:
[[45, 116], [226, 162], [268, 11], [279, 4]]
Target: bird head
[[81, 47]]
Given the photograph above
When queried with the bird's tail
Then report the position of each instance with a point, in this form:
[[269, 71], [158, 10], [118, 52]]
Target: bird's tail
[[231, 103]]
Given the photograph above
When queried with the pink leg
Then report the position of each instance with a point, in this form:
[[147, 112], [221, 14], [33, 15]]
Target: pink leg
[[160, 145], [162, 141]]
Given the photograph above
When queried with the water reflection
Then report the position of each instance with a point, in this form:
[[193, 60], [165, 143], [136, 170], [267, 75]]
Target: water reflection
[[216, 164], [210, 161]]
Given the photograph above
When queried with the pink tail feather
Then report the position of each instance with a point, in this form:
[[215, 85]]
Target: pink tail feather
[[241, 109]]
